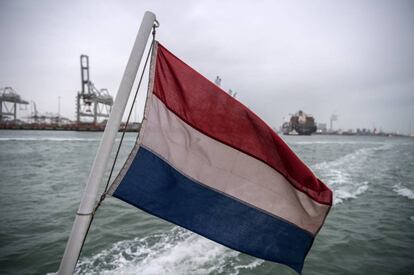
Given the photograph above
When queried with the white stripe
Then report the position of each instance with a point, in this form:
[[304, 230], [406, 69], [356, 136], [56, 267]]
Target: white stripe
[[227, 170]]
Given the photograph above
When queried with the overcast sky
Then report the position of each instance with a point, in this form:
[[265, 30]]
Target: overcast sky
[[351, 58]]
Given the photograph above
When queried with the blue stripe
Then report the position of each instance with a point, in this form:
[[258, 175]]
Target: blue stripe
[[152, 185]]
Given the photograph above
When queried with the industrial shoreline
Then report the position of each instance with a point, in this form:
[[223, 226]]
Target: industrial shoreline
[[81, 127], [135, 127]]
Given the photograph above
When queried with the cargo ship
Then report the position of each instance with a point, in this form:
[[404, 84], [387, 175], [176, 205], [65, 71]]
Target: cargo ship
[[299, 124]]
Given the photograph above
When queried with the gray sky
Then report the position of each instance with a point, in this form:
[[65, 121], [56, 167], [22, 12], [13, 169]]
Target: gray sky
[[352, 58]]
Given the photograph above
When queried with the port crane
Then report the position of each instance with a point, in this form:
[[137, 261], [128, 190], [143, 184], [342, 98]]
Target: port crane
[[9, 99], [333, 118], [91, 102]]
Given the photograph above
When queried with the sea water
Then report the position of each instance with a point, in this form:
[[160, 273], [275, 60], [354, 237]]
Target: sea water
[[370, 229]]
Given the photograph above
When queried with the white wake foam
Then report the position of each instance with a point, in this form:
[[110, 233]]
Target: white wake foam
[[353, 159], [403, 191], [341, 194], [339, 173], [177, 251], [341, 142]]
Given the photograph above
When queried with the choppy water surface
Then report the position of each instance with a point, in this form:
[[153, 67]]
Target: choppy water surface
[[370, 229]]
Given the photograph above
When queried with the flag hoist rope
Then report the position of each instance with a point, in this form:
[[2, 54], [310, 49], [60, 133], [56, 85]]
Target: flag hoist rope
[[130, 112], [88, 204]]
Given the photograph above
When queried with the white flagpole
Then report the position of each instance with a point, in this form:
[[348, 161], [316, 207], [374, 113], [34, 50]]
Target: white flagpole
[[88, 202]]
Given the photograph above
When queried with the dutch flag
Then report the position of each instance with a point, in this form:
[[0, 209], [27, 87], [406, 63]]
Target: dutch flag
[[207, 163]]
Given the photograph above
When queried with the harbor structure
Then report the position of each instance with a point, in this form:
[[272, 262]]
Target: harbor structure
[[9, 101], [91, 103], [333, 118]]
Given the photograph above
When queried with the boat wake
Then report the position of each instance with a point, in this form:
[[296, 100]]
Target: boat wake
[[330, 142], [352, 193], [403, 191], [345, 175], [177, 251]]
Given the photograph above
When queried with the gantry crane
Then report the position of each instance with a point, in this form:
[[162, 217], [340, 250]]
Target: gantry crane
[[9, 99], [91, 102]]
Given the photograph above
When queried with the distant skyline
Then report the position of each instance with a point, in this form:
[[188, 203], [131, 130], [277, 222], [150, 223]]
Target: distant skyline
[[351, 58]]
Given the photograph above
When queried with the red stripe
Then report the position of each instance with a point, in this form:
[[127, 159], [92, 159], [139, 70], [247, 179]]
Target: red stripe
[[213, 112]]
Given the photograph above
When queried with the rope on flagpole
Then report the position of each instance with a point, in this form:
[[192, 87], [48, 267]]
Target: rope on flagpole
[[103, 196], [132, 106]]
